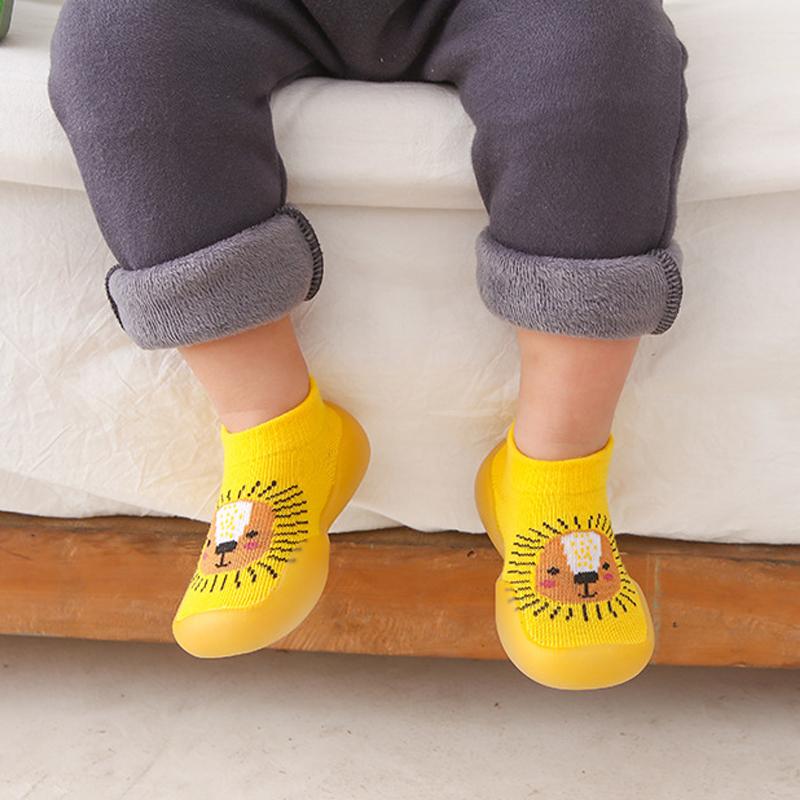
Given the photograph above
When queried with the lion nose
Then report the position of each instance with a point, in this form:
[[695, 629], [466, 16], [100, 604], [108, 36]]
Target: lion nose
[[225, 547], [585, 577]]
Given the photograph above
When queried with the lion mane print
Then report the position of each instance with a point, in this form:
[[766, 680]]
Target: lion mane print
[[570, 572], [252, 535]]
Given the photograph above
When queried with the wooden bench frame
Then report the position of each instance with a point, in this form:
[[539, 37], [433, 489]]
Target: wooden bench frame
[[396, 592]]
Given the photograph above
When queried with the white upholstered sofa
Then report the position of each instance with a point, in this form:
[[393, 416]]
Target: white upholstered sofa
[[709, 428]]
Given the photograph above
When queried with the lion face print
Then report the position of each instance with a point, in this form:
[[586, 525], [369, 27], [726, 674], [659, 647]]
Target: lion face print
[[240, 532], [255, 533], [569, 571], [577, 567]]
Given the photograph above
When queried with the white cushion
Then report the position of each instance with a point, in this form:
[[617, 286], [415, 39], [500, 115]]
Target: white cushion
[[407, 145]]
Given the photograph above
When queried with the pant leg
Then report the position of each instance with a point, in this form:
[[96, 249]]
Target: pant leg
[[580, 122], [166, 105]]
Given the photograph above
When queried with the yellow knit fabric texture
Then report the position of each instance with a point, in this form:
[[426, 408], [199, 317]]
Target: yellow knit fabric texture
[[562, 570], [276, 479]]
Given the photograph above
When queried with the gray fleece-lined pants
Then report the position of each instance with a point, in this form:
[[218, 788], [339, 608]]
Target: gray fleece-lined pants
[[579, 108]]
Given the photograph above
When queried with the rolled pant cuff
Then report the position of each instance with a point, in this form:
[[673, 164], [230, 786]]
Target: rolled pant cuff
[[254, 277], [606, 298]]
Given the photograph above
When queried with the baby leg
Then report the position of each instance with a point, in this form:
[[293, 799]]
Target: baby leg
[[580, 129], [166, 105], [568, 392]]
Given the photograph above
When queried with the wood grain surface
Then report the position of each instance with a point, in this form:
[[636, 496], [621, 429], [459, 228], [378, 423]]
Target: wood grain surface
[[393, 591]]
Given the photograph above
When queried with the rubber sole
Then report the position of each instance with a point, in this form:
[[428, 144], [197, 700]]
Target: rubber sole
[[574, 668], [234, 631]]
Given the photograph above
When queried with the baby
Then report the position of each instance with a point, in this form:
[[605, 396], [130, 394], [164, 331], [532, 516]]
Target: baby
[[579, 109]]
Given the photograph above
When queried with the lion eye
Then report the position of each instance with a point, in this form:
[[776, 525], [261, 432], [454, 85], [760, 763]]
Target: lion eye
[[251, 534], [208, 542], [606, 565], [553, 571]]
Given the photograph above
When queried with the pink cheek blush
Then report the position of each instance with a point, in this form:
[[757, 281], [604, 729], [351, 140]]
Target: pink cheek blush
[[250, 545], [608, 576], [548, 584]]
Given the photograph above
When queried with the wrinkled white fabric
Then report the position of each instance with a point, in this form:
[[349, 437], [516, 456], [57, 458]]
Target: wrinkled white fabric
[[708, 431]]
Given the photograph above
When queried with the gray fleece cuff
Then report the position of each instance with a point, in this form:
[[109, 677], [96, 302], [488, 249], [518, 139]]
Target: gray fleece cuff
[[253, 277], [605, 298]]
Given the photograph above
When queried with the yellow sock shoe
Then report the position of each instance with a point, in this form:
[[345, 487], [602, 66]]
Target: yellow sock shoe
[[264, 562], [568, 614]]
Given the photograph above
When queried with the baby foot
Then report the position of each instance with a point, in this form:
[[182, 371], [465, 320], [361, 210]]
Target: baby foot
[[567, 612], [264, 562]]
